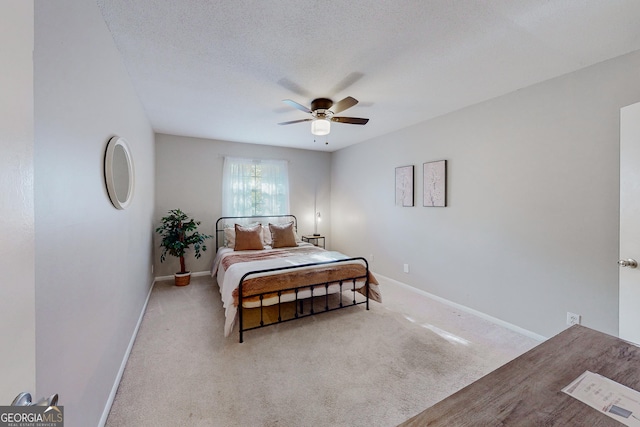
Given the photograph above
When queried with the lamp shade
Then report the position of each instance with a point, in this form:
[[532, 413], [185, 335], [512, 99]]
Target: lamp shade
[[320, 127], [315, 224]]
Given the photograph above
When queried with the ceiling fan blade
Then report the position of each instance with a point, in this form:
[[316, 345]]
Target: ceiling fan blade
[[346, 82], [294, 87], [294, 104], [340, 106], [350, 120], [295, 121]]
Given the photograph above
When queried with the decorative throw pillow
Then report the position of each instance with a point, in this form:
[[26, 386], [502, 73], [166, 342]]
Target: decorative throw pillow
[[283, 235], [230, 234], [248, 238]]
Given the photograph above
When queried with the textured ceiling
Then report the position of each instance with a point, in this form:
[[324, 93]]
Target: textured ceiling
[[220, 69]]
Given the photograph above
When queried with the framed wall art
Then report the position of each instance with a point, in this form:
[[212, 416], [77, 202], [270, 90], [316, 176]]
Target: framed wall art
[[435, 183], [404, 186]]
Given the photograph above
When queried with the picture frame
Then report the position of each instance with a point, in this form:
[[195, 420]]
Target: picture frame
[[434, 184], [404, 186]]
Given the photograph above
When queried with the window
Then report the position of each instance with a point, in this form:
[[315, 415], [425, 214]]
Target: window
[[255, 187]]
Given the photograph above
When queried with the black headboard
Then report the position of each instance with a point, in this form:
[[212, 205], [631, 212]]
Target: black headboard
[[230, 221]]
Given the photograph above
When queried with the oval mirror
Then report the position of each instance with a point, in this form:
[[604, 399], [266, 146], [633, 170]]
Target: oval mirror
[[118, 172]]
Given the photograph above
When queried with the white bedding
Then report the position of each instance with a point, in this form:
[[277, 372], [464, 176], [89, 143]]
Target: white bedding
[[228, 280]]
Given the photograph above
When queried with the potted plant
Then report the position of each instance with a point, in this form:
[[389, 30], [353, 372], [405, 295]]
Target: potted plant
[[178, 233]]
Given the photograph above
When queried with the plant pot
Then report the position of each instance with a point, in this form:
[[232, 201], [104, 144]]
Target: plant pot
[[182, 279]]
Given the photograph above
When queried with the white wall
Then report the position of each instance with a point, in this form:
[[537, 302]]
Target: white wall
[[17, 244], [189, 177], [531, 230], [93, 262]]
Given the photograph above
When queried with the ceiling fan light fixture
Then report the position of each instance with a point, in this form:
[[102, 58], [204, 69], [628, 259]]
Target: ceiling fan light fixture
[[320, 127]]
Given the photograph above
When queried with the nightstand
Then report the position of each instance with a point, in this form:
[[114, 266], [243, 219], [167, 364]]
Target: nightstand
[[314, 240]]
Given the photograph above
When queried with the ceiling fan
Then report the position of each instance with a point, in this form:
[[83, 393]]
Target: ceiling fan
[[323, 111]]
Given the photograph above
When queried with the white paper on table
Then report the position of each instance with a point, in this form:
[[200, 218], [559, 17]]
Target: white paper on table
[[607, 396]]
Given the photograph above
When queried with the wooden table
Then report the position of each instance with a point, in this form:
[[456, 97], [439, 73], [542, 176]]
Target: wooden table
[[526, 391]]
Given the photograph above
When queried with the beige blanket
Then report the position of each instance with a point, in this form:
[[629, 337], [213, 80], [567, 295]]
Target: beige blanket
[[244, 256]]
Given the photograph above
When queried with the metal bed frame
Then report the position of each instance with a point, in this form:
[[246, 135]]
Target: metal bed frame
[[348, 284]]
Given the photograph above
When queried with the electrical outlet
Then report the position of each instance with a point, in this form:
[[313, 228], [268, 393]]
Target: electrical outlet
[[151, 268], [573, 319], [370, 257], [406, 268]]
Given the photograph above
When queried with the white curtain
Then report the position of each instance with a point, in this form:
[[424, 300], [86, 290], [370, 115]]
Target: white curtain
[[255, 187]]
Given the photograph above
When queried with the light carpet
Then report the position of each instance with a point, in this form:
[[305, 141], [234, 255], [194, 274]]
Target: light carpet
[[349, 367]]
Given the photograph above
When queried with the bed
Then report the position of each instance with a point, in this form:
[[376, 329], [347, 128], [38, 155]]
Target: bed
[[267, 275]]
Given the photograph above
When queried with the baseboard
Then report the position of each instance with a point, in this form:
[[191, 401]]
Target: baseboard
[[114, 389], [194, 274], [466, 309]]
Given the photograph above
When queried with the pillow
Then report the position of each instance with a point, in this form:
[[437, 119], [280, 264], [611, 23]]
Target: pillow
[[266, 236], [230, 234], [230, 237], [282, 235], [248, 238]]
